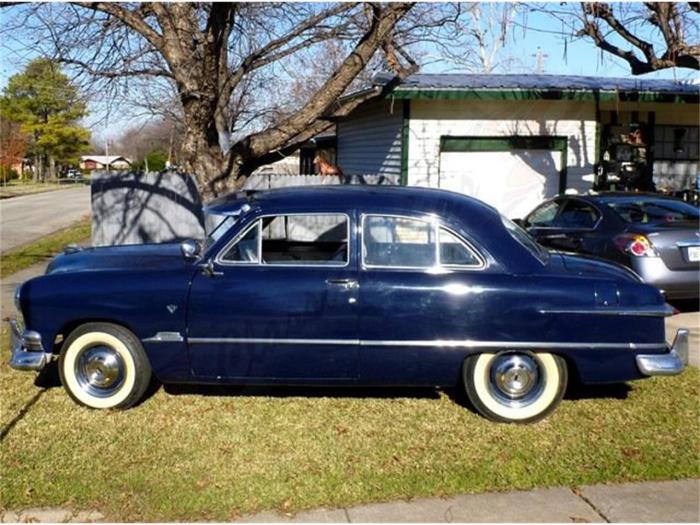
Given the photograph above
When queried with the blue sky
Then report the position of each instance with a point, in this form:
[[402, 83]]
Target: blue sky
[[579, 57]]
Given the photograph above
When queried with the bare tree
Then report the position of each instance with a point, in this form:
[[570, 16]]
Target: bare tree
[[478, 39], [162, 135], [214, 55], [649, 36]]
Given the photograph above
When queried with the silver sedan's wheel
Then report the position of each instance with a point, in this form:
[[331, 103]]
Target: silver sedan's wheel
[[515, 387], [104, 366]]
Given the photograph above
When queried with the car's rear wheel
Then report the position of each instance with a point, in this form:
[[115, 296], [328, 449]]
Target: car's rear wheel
[[515, 387], [103, 365]]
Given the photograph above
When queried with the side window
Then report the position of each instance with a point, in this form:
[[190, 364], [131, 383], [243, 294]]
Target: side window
[[246, 248], [398, 242], [293, 239], [453, 251], [577, 214], [305, 239], [544, 216]]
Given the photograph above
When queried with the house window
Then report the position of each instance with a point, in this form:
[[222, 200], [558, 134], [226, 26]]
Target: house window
[[676, 143]]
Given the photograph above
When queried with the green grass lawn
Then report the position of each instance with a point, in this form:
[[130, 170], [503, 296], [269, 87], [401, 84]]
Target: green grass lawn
[[16, 188], [19, 258], [216, 454]]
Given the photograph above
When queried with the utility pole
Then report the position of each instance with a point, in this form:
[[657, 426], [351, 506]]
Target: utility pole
[[539, 60]]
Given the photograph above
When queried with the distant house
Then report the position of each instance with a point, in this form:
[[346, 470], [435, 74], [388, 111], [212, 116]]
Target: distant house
[[285, 166], [102, 162], [514, 140]]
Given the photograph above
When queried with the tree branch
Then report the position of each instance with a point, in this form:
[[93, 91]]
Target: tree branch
[[133, 19], [381, 28]]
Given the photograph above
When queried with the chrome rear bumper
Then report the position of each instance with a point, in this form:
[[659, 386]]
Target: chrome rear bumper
[[668, 364], [27, 350]]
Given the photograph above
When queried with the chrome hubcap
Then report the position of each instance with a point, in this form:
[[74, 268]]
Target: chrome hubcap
[[515, 379], [99, 370]]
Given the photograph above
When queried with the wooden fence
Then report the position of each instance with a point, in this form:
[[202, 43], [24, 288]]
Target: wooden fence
[[138, 208]]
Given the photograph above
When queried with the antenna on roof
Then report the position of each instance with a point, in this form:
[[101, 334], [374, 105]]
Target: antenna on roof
[[539, 60]]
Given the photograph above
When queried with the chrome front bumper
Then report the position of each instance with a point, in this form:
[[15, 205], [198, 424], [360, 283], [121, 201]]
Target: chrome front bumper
[[27, 350], [668, 364]]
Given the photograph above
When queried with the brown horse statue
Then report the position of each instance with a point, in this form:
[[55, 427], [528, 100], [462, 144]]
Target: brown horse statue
[[323, 167]]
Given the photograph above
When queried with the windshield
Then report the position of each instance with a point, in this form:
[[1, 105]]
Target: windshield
[[526, 240], [218, 226], [642, 210]]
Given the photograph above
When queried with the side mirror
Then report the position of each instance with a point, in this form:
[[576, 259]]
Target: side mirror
[[190, 249]]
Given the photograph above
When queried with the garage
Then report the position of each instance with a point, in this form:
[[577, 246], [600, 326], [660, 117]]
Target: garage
[[513, 174]]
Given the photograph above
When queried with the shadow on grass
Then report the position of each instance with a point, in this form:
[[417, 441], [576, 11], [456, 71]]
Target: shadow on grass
[[49, 378], [304, 391], [20, 415], [457, 394]]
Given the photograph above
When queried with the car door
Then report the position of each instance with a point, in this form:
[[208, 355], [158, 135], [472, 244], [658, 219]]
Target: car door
[[279, 303], [417, 286]]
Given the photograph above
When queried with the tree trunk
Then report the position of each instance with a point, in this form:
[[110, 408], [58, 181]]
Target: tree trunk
[[52, 168], [38, 168]]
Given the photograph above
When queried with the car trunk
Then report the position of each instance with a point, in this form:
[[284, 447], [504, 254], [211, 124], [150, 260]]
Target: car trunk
[[673, 241]]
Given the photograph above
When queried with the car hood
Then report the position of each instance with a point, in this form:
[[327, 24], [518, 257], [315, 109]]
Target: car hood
[[588, 266], [131, 257]]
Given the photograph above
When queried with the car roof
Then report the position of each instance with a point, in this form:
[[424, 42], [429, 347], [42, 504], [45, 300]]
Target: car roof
[[342, 196], [479, 222]]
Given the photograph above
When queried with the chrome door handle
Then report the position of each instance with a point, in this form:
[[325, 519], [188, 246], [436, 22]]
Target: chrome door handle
[[345, 283]]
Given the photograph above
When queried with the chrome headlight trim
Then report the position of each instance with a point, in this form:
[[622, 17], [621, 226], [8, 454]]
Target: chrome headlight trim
[[18, 293]]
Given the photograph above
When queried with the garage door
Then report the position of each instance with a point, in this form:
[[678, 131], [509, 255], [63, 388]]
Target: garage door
[[513, 174]]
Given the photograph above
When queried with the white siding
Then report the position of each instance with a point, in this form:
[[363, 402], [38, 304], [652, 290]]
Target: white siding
[[431, 119], [369, 140]]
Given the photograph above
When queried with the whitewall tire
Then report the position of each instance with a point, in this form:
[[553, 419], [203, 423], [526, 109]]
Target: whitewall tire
[[515, 387], [103, 365]]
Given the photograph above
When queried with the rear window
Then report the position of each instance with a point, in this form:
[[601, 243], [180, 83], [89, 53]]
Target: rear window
[[642, 210], [525, 239]]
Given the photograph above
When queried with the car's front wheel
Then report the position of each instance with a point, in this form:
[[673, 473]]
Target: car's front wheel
[[515, 387], [103, 365]]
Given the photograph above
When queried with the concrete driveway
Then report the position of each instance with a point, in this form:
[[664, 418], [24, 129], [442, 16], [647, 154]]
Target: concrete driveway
[[25, 219], [690, 321]]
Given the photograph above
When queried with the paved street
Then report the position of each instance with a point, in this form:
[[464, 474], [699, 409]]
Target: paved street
[[25, 219]]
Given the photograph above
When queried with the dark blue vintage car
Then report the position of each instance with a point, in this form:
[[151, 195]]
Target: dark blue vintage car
[[345, 285]]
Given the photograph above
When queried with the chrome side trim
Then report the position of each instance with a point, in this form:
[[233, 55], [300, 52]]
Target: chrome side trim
[[633, 311], [465, 343], [165, 337], [535, 345], [260, 340], [668, 364]]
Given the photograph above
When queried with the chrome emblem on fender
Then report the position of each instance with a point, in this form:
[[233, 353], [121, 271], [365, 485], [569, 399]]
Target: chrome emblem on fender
[[171, 308]]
